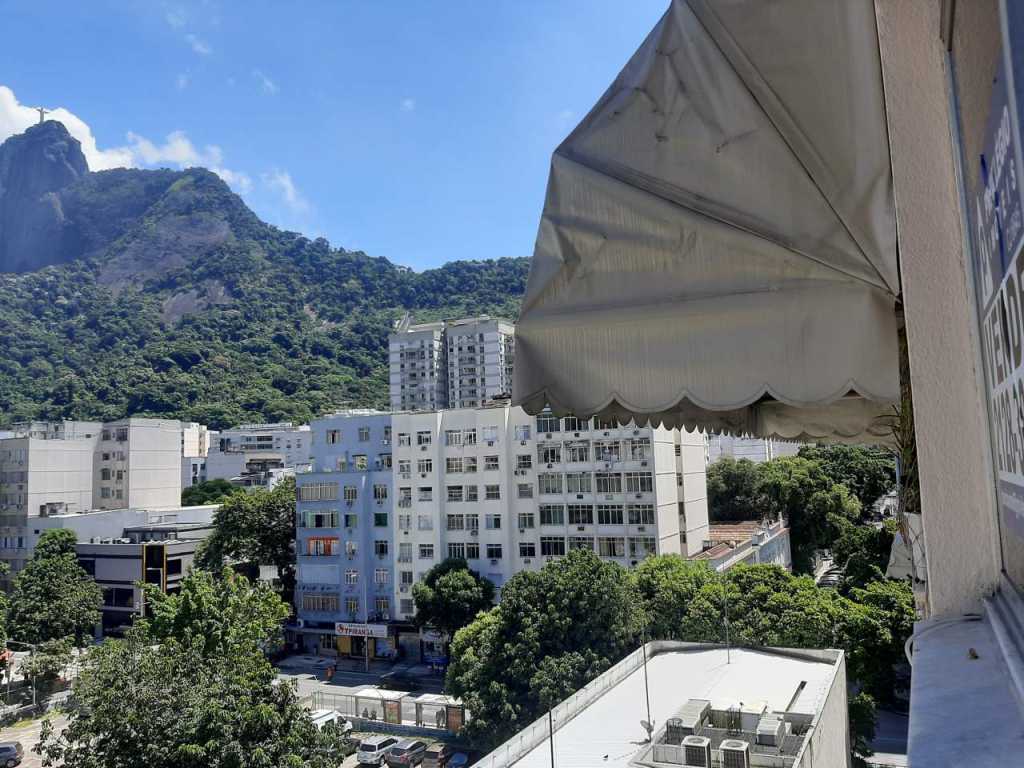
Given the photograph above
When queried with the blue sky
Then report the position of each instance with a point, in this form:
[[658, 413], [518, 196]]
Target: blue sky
[[419, 131]]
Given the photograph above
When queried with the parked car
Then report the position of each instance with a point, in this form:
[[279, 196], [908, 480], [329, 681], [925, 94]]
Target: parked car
[[437, 755], [406, 753], [11, 753], [322, 717], [458, 760], [373, 750], [398, 681]]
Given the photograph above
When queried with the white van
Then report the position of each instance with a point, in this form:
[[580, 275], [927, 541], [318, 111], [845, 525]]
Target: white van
[[322, 717], [374, 750]]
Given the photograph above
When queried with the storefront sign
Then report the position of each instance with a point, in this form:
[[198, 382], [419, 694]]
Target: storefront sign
[[997, 222], [360, 630]]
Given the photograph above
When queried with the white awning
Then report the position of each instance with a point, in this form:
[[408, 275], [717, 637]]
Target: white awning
[[718, 241]]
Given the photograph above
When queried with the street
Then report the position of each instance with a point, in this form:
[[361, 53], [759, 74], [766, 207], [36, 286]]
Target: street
[[309, 671], [28, 734]]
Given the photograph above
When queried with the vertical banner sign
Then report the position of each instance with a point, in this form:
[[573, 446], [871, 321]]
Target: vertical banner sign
[[997, 222]]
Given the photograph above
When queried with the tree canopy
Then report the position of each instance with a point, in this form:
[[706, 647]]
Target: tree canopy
[[450, 596], [869, 472], [208, 492], [191, 689], [734, 490], [53, 598]]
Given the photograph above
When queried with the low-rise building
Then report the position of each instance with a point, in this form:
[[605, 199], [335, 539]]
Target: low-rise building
[[755, 449], [730, 544], [708, 706], [258, 455]]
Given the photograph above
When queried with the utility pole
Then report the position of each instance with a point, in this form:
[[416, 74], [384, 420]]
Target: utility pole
[[551, 737], [728, 655], [647, 692]]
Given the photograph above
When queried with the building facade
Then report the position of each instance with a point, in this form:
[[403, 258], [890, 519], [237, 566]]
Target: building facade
[[257, 455], [137, 463], [755, 449], [344, 537], [450, 364]]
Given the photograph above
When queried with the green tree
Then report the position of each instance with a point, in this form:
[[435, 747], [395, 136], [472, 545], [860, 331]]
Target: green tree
[[256, 528], [450, 596], [553, 631], [208, 492], [868, 471], [666, 585], [48, 661], [734, 491], [53, 598], [863, 717], [190, 688], [862, 551]]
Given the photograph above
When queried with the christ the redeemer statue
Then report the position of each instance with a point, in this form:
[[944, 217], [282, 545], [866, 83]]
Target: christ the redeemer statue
[[42, 112]]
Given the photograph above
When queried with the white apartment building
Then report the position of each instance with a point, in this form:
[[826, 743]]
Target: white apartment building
[[509, 492], [73, 467], [451, 364], [756, 449], [258, 454]]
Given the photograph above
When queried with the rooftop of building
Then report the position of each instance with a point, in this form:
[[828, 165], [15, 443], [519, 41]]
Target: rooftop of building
[[438, 325], [601, 725], [733, 532]]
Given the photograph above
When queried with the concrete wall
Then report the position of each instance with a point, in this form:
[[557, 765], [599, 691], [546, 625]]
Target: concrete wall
[[957, 496], [829, 742], [693, 494]]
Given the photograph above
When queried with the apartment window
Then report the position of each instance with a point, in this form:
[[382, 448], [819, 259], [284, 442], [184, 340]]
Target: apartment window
[[641, 514], [472, 492], [490, 463], [351, 520], [404, 466], [380, 547], [119, 476], [351, 493], [611, 546], [457, 549], [360, 462], [492, 521], [406, 606], [456, 521], [320, 519], [577, 451], [547, 423], [552, 545], [380, 492], [453, 466], [405, 552], [424, 523], [609, 514], [321, 603], [572, 424], [333, 436], [472, 522], [385, 460], [639, 448], [639, 482], [489, 434], [608, 482], [104, 474], [549, 454], [494, 551], [423, 466], [405, 497], [581, 514], [524, 461], [405, 522], [351, 576], [524, 490], [364, 434], [522, 432], [492, 492], [581, 542], [381, 576], [403, 439], [318, 492], [607, 450], [526, 519], [549, 483], [469, 437], [552, 514], [424, 437], [426, 551], [322, 546], [387, 435], [425, 493], [380, 519], [106, 456], [642, 546], [578, 482], [119, 494], [453, 437], [352, 605], [351, 548], [104, 493], [382, 606], [604, 424], [454, 493], [472, 550]]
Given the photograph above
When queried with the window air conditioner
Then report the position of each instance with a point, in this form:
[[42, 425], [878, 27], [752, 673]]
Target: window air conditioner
[[474, 532], [527, 560]]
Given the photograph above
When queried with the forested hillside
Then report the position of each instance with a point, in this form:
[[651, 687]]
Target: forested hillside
[[175, 300]]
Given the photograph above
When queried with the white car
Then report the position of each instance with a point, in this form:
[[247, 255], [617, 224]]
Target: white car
[[322, 717], [374, 750]]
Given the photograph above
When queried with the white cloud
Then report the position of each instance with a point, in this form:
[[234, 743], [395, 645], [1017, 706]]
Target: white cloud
[[199, 45], [269, 86], [177, 151], [281, 182], [175, 17], [408, 105], [181, 81]]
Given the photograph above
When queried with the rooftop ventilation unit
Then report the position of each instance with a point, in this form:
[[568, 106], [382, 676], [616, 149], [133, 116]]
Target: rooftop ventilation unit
[[771, 729], [697, 751], [735, 754]]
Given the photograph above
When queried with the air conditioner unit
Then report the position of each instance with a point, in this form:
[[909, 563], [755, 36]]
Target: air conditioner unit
[[605, 434], [579, 495], [633, 562], [636, 432], [735, 754], [385, 617], [522, 530], [575, 434], [300, 623], [550, 466], [494, 561], [639, 495], [423, 474], [643, 463], [580, 528], [474, 532], [522, 442], [403, 588], [490, 442], [348, 503], [423, 447], [641, 528], [527, 560], [548, 435], [697, 751]]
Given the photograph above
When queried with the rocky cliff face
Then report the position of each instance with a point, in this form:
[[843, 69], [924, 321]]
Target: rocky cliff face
[[34, 167]]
